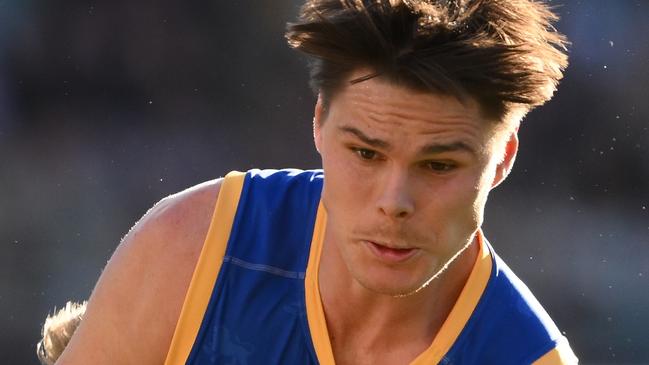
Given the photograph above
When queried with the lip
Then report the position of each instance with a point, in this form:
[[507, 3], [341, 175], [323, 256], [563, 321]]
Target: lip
[[390, 255]]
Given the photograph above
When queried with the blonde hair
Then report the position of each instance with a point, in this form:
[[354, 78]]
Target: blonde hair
[[57, 331]]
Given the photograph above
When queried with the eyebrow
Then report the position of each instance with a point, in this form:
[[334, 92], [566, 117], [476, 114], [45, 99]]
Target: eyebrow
[[440, 148], [430, 149], [374, 142]]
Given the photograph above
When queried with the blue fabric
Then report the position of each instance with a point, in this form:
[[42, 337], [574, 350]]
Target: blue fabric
[[507, 327], [257, 311]]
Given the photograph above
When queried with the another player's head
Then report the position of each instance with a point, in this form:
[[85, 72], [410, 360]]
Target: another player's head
[[57, 331], [418, 106]]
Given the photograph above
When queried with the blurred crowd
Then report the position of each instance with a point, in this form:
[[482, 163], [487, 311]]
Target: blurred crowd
[[106, 107]]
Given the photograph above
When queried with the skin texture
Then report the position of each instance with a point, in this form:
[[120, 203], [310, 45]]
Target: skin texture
[[132, 312], [405, 170]]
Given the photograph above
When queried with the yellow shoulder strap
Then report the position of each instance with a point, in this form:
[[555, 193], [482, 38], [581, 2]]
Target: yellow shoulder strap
[[207, 270], [560, 355]]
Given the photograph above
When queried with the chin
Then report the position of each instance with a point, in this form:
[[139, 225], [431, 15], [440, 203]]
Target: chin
[[394, 290], [396, 285]]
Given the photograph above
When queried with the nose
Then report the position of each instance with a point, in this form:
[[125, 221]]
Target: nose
[[395, 196]]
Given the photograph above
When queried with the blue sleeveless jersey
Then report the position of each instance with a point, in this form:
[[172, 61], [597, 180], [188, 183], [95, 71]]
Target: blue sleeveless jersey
[[254, 297]]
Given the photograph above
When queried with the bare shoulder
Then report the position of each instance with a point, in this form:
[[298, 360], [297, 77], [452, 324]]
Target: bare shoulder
[[177, 224], [132, 312]]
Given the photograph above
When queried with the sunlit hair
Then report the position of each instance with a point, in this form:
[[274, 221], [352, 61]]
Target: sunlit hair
[[504, 53], [57, 331]]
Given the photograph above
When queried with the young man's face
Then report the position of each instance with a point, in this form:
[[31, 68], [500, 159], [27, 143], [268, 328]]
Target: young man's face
[[407, 176]]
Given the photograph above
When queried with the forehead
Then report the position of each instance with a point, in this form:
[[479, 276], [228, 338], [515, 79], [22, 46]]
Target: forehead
[[383, 106]]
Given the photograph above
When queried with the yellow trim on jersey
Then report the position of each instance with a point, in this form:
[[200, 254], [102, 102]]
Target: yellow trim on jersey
[[207, 270], [314, 311], [463, 308], [560, 355], [448, 333]]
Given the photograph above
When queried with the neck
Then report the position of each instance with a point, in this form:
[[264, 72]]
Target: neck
[[357, 316]]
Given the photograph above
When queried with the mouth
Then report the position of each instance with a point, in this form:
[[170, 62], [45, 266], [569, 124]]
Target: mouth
[[390, 255]]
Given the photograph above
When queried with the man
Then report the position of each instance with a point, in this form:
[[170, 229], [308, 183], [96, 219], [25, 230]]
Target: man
[[380, 258]]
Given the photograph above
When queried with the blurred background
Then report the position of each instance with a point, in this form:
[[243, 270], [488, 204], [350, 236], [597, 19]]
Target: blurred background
[[108, 106]]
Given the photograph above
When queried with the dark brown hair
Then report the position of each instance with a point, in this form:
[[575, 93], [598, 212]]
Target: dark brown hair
[[503, 53]]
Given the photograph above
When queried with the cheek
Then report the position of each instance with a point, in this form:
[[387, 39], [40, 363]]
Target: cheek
[[455, 204], [347, 193], [342, 184], [483, 188]]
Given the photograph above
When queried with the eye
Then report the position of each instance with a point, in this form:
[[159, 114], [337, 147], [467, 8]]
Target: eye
[[437, 166], [365, 154]]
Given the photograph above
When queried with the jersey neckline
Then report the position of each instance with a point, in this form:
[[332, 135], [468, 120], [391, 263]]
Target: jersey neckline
[[450, 329]]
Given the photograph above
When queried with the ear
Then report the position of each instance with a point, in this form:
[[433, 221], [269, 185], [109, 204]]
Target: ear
[[505, 165], [317, 123]]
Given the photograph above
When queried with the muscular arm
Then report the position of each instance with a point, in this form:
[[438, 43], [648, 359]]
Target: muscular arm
[[133, 309]]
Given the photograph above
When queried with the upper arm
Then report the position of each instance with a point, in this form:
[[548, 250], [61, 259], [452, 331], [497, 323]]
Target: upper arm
[[132, 312]]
